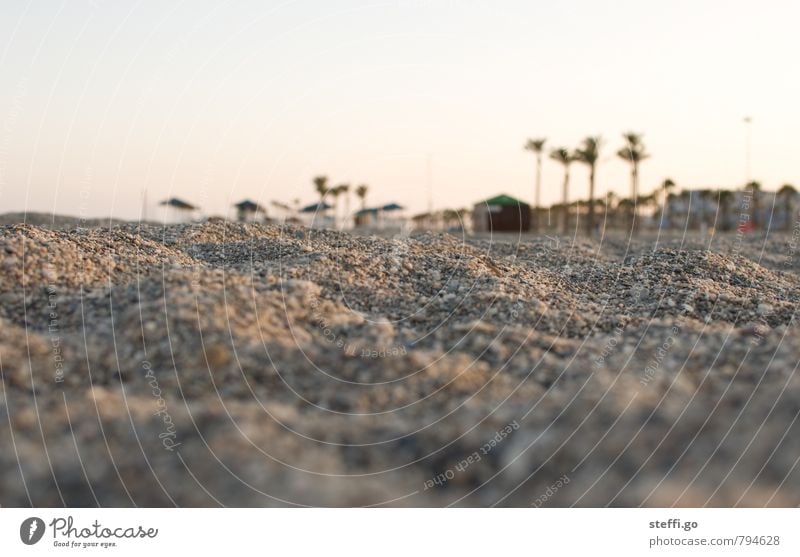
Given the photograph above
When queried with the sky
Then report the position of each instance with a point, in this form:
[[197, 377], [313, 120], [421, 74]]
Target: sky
[[214, 102]]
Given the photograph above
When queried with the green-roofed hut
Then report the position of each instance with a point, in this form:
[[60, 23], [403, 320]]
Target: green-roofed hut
[[501, 213]]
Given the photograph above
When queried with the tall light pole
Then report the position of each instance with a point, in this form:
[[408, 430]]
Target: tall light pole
[[748, 139], [429, 185]]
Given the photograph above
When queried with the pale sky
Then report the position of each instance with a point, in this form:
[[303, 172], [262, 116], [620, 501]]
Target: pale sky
[[217, 101]]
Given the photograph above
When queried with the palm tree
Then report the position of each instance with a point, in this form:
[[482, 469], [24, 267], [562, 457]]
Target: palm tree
[[344, 189], [361, 193], [588, 154], [634, 152], [649, 201], [536, 146], [335, 193], [321, 185], [755, 190], [624, 207], [611, 206], [563, 156], [786, 194]]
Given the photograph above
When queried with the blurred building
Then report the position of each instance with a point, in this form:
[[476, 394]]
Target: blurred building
[[316, 215], [726, 210], [390, 216], [501, 213]]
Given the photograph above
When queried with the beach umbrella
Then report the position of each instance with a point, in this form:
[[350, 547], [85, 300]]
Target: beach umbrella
[[248, 207], [179, 204], [391, 207], [176, 204]]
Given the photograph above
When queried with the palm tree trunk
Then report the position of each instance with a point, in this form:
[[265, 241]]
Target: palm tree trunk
[[632, 210], [335, 211], [537, 196], [590, 216], [565, 206], [635, 187]]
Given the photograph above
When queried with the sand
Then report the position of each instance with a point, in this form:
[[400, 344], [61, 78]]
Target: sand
[[249, 365]]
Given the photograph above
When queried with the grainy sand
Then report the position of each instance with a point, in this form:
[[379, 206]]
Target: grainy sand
[[250, 365]]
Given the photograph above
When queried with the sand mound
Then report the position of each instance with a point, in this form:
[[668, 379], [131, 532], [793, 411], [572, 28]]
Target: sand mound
[[279, 365], [85, 258]]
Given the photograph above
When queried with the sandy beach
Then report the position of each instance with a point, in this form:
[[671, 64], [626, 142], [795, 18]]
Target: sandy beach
[[252, 365]]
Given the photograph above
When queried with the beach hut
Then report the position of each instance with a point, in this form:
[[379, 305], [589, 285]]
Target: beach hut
[[249, 211], [501, 213], [386, 216], [366, 218], [392, 216], [316, 215], [318, 207]]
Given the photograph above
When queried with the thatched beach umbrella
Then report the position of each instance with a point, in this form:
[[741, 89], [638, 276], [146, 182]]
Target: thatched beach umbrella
[[247, 210], [179, 205], [388, 208]]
